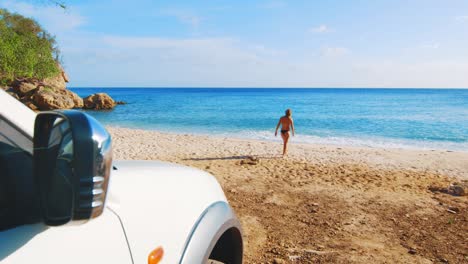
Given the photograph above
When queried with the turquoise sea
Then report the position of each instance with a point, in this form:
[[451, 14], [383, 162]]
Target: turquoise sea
[[400, 118]]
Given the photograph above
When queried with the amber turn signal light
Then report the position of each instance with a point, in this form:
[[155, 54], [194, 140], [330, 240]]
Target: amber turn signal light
[[155, 256]]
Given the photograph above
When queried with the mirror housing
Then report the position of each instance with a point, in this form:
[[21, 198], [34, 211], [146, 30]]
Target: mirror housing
[[72, 162]]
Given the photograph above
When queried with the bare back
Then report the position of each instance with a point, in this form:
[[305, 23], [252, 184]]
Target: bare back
[[286, 123]]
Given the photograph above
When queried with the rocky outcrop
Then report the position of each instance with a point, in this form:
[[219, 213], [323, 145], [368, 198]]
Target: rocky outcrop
[[51, 93], [24, 86], [47, 98], [78, 101], [99, 101], [56, 82]]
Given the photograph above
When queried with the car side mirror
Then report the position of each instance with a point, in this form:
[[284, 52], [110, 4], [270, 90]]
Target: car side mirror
[[72, 162]]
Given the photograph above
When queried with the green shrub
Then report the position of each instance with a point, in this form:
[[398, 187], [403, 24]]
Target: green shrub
[[26, 50]]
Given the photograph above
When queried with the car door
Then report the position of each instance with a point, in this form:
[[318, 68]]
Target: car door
[[101, 240]]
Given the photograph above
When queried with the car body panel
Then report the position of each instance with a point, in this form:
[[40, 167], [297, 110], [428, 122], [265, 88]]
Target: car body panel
[[215, 220], [162, 204], [101, 240]]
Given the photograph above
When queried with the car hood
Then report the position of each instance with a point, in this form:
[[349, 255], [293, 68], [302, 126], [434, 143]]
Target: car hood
[[159, 204]]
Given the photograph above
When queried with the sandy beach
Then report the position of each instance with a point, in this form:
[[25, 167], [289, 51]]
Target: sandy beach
[[326, 203]]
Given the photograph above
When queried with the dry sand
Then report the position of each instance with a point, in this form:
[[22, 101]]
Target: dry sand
[[326, 204]]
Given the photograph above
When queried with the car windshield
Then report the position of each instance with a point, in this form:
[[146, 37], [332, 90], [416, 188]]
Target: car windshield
[[13, 137]]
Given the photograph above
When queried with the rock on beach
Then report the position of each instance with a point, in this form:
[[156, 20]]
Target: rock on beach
[[99, 101]]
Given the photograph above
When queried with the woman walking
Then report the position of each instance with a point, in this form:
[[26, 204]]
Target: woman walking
[[287, 124]]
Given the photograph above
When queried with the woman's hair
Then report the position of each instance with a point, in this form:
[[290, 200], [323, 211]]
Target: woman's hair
[[288, 112]]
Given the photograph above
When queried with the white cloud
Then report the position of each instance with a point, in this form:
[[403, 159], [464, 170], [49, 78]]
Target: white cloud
[[431, 45], [164, 43], [334, 51], [226, 62], [320, 29], [427, 74], [184, 16], [461, 18], [262, 50]]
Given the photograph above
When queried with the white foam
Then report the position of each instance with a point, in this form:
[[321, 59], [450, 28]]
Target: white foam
[[369, 141], [376, 142]]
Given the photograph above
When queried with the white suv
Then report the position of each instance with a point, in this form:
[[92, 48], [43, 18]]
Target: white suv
[[63, 199]]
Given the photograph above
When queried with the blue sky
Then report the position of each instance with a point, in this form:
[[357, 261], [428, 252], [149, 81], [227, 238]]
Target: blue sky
[[271, 43]]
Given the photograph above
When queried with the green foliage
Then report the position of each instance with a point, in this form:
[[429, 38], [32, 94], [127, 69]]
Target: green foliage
[[48, 89], [26, 50]]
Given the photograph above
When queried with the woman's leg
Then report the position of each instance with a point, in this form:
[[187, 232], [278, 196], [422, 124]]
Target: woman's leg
[[285, 137]]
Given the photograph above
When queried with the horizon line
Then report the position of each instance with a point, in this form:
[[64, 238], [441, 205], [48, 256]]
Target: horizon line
[[228, 87]]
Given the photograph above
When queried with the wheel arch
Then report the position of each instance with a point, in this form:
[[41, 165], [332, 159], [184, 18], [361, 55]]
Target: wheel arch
[[217, 234]]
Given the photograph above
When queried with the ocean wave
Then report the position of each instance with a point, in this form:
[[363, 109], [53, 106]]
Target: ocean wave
[[368, 141]]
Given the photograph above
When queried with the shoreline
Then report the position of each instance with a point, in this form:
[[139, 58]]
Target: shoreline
[[448, 162], [374, 143]]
